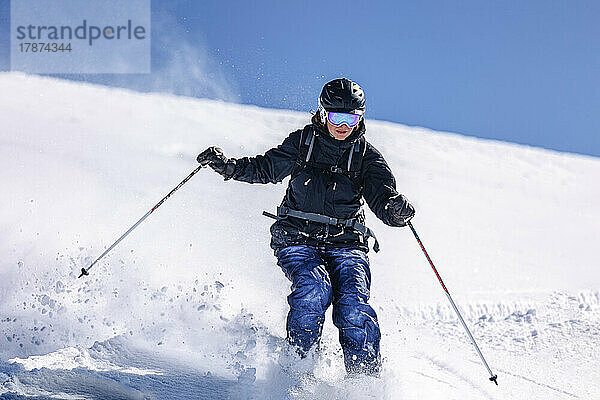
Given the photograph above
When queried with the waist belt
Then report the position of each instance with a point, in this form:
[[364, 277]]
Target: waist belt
[[353, 223]]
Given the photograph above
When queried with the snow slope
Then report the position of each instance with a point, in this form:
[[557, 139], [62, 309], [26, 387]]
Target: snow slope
[[192, 304]]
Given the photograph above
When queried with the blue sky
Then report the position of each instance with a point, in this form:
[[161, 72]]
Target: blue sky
[[525, 72]]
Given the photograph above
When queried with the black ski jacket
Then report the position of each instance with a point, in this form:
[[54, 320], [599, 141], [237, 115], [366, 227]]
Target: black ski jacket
[[316, 190]]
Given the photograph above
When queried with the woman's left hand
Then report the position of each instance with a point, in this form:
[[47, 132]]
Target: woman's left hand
[[399, 210]]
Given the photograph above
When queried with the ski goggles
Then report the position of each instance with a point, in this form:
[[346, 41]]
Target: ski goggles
[[337, 119]]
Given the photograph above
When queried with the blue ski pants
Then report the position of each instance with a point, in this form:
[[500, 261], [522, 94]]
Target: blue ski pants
[[320, 277]]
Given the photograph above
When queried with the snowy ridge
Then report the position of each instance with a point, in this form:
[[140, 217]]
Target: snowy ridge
[[192, 305], [583, 301]]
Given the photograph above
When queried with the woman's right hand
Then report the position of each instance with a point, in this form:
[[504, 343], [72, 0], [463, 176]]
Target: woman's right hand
[[214, 158]]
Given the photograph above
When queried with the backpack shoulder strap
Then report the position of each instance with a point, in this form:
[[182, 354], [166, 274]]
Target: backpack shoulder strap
[[307, 139], [355, 157]]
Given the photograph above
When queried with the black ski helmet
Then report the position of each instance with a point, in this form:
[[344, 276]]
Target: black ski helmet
[[342, 95]]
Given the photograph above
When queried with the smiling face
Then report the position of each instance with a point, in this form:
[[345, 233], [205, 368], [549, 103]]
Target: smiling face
[[339, 132]]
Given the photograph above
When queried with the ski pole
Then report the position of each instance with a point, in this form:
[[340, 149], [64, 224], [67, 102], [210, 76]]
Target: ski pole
[[493, 377], [85, 271]]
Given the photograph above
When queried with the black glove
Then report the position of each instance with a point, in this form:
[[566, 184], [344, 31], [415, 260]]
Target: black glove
[[214, 158], [399, 210]]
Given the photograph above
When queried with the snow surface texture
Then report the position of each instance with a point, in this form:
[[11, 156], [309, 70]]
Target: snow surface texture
[[192, 304]]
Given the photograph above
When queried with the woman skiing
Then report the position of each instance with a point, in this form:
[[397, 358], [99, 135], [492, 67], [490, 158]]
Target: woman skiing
[[319, 236]]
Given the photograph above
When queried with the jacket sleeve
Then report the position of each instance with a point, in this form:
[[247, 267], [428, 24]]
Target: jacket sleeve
[[273, 166], [379, 184]]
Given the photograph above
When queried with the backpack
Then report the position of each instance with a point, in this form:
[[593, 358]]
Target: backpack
[[352, 168]]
